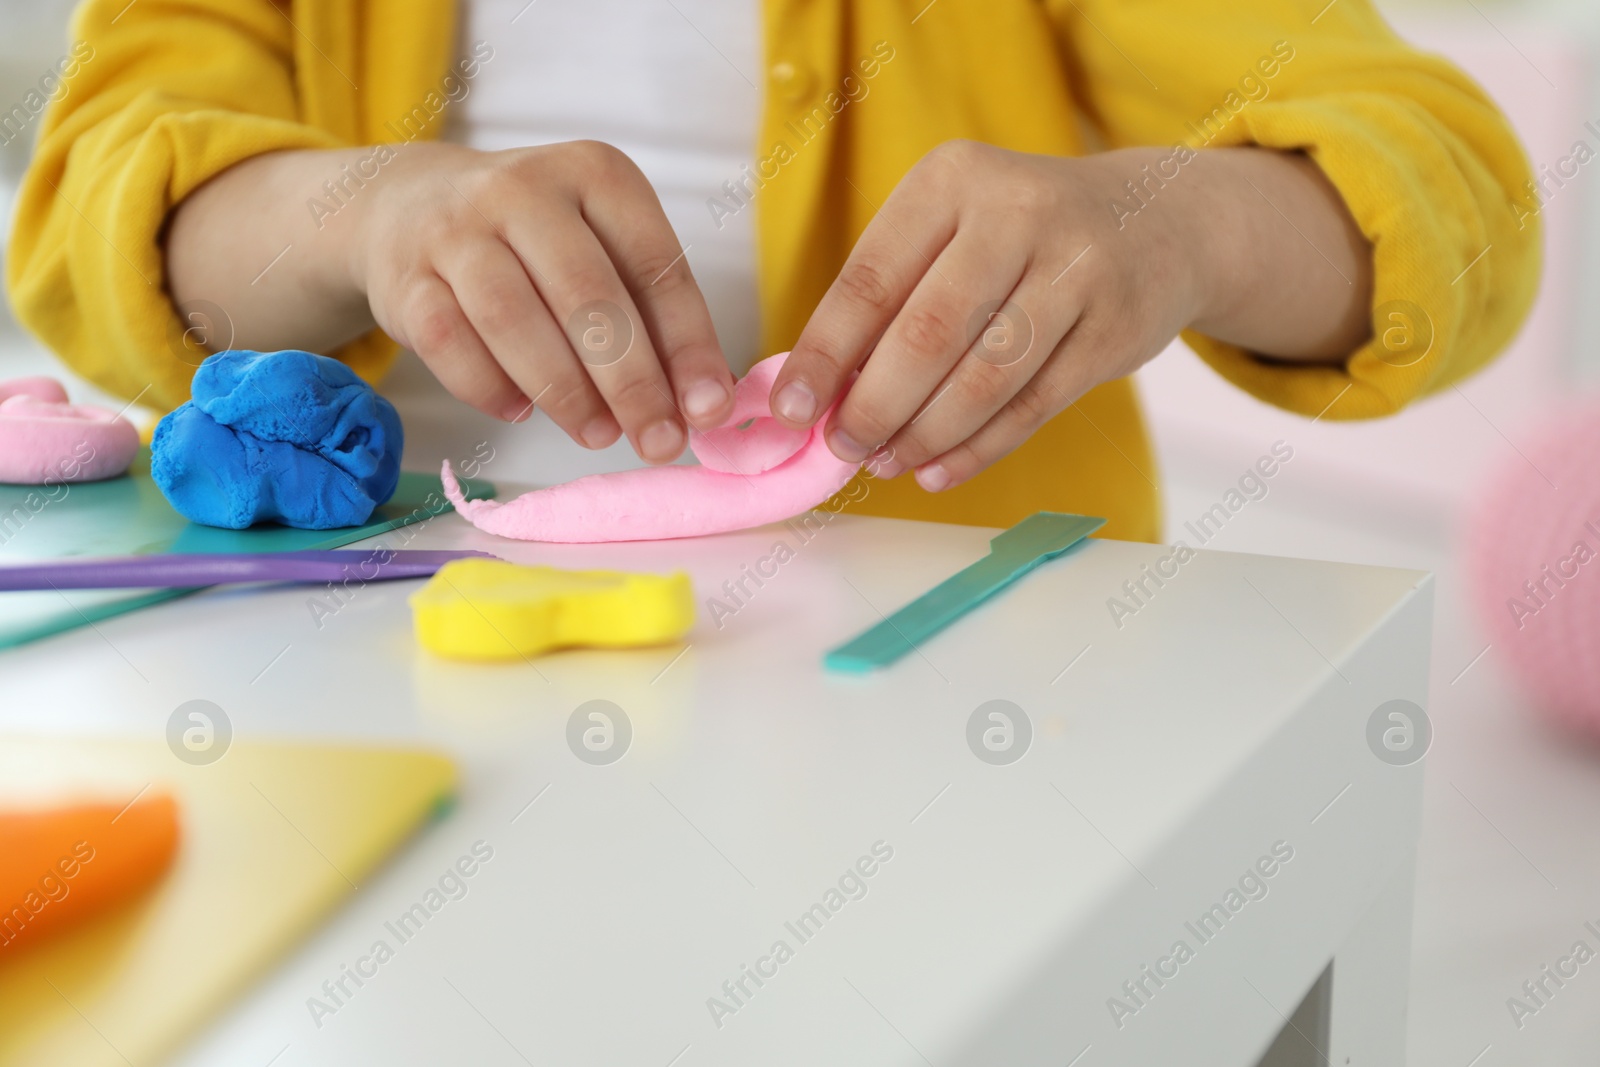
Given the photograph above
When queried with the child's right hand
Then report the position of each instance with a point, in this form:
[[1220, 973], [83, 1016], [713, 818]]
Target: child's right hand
[[545, 276]]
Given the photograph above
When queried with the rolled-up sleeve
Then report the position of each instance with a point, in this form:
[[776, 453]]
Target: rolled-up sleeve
[[163, 97], [1428, 167]]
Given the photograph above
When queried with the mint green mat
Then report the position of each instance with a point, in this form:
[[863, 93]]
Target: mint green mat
[[128, 516]]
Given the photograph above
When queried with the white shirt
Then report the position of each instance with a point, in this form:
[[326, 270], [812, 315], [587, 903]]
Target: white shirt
[[672, 83]]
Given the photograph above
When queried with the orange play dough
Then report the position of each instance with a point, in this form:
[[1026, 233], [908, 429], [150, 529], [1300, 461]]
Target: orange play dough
[[61, 865]]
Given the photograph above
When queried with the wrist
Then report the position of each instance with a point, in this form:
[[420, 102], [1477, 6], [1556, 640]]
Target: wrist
[[345, 206], [1166, 200], [1221, 234], [1284, 269], [266, 242], [401, 181]]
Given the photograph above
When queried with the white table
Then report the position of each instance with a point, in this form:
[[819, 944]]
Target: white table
[[1168, 756]]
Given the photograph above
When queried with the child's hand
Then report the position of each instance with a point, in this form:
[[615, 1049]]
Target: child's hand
[[545, 276], [994, 288]]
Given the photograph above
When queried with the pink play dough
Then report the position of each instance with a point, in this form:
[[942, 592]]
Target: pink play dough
[[46, 441], [747, 477], [46, 389], [1533, 560]]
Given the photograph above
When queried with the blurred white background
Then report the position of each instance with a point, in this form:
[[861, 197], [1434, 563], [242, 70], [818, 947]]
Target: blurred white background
[[33, 35], [1390, 493]]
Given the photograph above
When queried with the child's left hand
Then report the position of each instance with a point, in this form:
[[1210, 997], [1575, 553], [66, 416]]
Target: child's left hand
[[994, 288]]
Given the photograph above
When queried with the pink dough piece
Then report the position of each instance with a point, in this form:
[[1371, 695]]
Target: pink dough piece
[[748, 477], [47, 442], [765, 443], [40, 388]]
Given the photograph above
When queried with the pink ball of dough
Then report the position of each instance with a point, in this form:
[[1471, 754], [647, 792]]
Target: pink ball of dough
[[40, 388], [1533, 563], [47, 442]]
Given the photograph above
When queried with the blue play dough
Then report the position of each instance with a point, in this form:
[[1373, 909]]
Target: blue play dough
[[286, 437]]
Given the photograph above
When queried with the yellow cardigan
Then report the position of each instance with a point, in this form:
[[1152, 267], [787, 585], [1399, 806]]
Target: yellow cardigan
[[177, 91]]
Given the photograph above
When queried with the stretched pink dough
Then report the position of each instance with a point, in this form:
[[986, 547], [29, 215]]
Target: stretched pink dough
[[45, 442], [761, 474]]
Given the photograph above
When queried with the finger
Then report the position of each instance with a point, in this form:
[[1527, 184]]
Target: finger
[[631, 226], [939, 322], [583, 291], [883, 269], [1066, 375], [434, 327], [510, 318], [1014, 345]]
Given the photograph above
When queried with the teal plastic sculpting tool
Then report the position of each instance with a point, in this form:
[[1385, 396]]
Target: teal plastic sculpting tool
[[1012, 554]]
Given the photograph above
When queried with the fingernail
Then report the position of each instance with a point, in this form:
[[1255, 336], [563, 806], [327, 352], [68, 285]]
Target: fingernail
[[933, 477], [517, 410], [600, 432], [703, 397], [889, 469], [846, 447], [796, 402], [661, 441]]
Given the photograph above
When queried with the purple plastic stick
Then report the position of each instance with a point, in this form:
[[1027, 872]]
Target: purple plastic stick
[[185, 571]]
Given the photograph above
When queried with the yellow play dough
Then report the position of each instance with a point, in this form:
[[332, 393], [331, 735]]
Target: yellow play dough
[[483, 609]]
